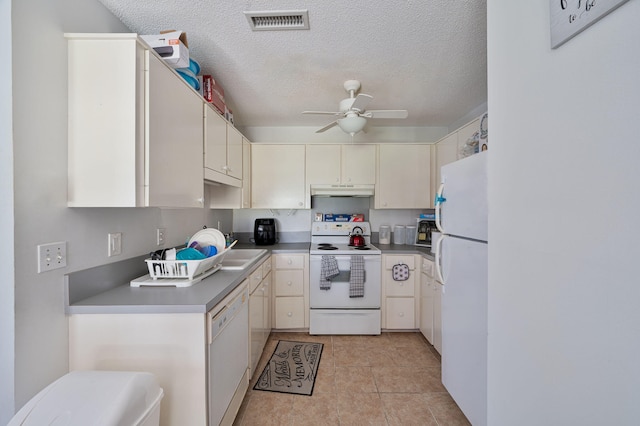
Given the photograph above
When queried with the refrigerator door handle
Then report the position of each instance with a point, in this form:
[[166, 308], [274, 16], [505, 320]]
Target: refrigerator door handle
[[438, 258], [437, 202]]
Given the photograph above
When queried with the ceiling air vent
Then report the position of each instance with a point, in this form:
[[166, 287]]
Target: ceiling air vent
[[277, 20]]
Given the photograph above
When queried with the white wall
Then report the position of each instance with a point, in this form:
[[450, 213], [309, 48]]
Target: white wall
[[39, 65], [299, 221], [564, 323], [7, 337], [373, 134]]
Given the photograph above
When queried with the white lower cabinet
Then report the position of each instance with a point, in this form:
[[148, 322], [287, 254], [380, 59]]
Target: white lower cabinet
[[175, 348], [430, 295], [259, 312], [400, 298], [437, 316], [291, 291]]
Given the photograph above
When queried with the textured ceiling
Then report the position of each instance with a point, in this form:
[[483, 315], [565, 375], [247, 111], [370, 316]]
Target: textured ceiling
[[425, 56]]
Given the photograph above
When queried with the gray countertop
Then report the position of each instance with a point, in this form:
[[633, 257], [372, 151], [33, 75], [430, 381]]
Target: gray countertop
[[198, 298]]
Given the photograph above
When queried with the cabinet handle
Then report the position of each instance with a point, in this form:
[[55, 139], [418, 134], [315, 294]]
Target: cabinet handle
[[200, 201], [401, 284], [348, 179], [289, 283], [300, 203], [289, 314], [401, 314], [290, 261]]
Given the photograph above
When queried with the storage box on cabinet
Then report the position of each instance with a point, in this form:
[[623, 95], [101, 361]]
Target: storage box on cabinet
[[291, 291], [116, 78], [400, 300]]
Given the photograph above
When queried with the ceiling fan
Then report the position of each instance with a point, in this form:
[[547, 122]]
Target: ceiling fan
[[353, 111]]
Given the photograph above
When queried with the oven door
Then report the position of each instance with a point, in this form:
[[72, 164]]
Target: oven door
[[337, 297]]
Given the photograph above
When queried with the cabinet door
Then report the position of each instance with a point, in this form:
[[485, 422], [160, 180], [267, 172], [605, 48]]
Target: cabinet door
[[174, 142], [323, 164], [234, 152], [427, 294], [256, 326], [446, 152], [215, 144], [403, 180], [437, 317], [289, 283], [266, 303], [289, 312], [278, 177], [400, 313], [358, 165], [246, 174]]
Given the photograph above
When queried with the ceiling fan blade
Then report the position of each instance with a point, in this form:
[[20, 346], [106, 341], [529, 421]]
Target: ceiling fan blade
[[322, 112], [327, 127], [361, 101], [387, 113]]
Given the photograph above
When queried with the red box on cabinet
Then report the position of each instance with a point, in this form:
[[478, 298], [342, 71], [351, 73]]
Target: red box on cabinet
[[213, 93]]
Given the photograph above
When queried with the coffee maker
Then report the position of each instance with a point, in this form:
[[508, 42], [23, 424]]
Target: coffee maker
[[264, 232], [423, 234]]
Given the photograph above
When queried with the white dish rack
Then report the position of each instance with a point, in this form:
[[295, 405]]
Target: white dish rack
[[179, 273]]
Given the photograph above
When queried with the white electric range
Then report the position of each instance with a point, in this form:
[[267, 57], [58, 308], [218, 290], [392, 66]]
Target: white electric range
[[333, 307]]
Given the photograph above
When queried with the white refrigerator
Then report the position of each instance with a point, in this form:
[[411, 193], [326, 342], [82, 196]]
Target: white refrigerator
[[461, 262]]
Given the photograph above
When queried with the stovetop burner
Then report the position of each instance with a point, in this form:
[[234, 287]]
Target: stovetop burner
[[326, 247], [362, 248]]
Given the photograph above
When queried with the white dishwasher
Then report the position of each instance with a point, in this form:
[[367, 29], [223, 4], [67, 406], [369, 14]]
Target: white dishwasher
[[228, 356]]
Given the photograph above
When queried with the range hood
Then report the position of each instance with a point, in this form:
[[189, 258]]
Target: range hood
[[342, 190]]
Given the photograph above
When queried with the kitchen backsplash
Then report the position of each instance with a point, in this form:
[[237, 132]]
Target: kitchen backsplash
[[295, 225]]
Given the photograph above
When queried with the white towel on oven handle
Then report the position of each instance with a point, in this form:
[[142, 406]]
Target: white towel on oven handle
[[356, 282], [328, 270]]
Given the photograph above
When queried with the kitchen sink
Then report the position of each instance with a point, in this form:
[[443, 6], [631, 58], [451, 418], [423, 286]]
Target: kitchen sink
[[239, 259]]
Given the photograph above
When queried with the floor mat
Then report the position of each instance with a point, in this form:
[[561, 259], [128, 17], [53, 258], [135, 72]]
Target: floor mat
[[292, 368]]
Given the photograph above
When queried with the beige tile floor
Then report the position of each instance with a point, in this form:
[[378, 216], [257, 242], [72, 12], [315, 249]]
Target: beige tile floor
[[391, 379]]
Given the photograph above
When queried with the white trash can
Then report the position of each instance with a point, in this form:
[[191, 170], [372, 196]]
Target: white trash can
[[87, 398]]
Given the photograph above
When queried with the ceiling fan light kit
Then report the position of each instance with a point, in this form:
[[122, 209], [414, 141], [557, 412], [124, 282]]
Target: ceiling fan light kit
[[353, 111], [352, 125]]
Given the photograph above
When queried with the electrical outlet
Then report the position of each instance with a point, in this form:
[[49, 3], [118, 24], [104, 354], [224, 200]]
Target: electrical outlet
[[160, 233], [52, 256], [115, 244]]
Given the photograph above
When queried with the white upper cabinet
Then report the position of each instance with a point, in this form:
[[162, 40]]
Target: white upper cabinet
[[222, 149], [341, 164], [246, 174], [446, 152], [135, 127], [448, 148], [404, 176], [278, 177]]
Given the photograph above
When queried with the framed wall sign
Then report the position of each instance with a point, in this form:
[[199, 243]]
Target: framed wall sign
[[569, 17]]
